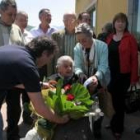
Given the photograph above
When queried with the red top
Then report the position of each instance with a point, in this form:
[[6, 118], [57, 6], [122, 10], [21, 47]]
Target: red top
[[128, 55]]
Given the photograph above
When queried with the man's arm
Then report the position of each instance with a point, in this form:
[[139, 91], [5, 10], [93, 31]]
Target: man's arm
[[45, 111], [44, 85]]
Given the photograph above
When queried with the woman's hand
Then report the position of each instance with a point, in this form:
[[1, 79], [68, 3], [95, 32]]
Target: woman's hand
[[91, 84], [95, 80]]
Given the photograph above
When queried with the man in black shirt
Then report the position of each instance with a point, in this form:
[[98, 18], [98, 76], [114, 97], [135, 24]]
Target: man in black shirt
[[19, 69]]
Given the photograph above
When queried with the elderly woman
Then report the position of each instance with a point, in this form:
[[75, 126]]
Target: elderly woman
[[91, 57], [91, 61], [65, 70]]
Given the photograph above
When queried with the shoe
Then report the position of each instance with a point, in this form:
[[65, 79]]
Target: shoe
[[137, 131]]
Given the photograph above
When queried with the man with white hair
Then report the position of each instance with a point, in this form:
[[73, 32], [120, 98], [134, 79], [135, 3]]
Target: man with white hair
[[22, 21], [66, 38]]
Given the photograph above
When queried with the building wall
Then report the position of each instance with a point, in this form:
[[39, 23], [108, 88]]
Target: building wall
[[105, 10], [82, 5]]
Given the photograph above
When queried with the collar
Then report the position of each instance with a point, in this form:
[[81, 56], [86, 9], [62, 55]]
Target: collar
[[41, 28]]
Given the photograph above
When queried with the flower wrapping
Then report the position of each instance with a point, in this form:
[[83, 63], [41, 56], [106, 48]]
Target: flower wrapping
[[74, 100]]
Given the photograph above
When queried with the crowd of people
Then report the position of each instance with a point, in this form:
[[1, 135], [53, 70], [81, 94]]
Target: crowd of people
[[29, 58]]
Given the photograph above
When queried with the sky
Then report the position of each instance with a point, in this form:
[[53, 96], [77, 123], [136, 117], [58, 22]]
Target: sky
[[57, 8]]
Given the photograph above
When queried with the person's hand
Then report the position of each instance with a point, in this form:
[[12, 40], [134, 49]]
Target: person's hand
[[91, 84], [95, 80], [82, 78], [46, 85], [91, 81]]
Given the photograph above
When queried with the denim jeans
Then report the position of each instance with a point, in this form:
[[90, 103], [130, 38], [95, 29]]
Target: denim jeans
[[1, 127]]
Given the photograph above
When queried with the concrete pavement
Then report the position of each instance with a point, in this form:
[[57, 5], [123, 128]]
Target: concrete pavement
[[132, 122]]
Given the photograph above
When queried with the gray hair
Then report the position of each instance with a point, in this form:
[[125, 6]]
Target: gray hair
[[85, 29], [5, 3], [19, 13], [108, 27], [63, 58], [67, 14]]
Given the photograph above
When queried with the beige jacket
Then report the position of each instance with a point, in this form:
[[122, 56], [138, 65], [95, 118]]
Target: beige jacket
[[10, 35]]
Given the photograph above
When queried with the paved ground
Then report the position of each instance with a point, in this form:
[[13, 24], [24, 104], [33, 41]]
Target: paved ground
[[132, 122]]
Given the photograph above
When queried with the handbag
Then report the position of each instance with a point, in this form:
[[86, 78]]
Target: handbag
[[105, 103], [132, 100]]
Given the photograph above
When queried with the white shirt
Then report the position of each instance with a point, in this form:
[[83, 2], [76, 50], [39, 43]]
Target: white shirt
[[27, 36], [37, 31]]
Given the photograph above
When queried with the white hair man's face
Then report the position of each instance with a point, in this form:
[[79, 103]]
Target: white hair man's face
[[69, 22], [65, 69], [22, 21]]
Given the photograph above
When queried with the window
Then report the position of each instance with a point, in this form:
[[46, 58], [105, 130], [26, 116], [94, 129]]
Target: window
[[93, 17], [134, 18]]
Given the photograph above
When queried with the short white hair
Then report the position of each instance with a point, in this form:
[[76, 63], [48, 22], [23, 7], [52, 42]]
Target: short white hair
[[68, 14], [63, 58]]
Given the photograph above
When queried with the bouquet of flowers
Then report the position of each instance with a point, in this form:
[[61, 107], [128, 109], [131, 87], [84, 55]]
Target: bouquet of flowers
[[73, 100]]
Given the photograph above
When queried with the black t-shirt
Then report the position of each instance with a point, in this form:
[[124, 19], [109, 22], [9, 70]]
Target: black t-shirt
[[17, 66], [114, 62]]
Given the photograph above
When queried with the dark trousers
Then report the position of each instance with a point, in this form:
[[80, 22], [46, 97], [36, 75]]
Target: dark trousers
[[25, 98], [118, 87], [26, 115], [12, 98], [13, 113]]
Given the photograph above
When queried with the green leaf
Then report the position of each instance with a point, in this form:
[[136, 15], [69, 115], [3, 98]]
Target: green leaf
[[59, 87]]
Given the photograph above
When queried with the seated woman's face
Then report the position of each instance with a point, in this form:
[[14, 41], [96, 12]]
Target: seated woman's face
[[84, 40], [66, 69]]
